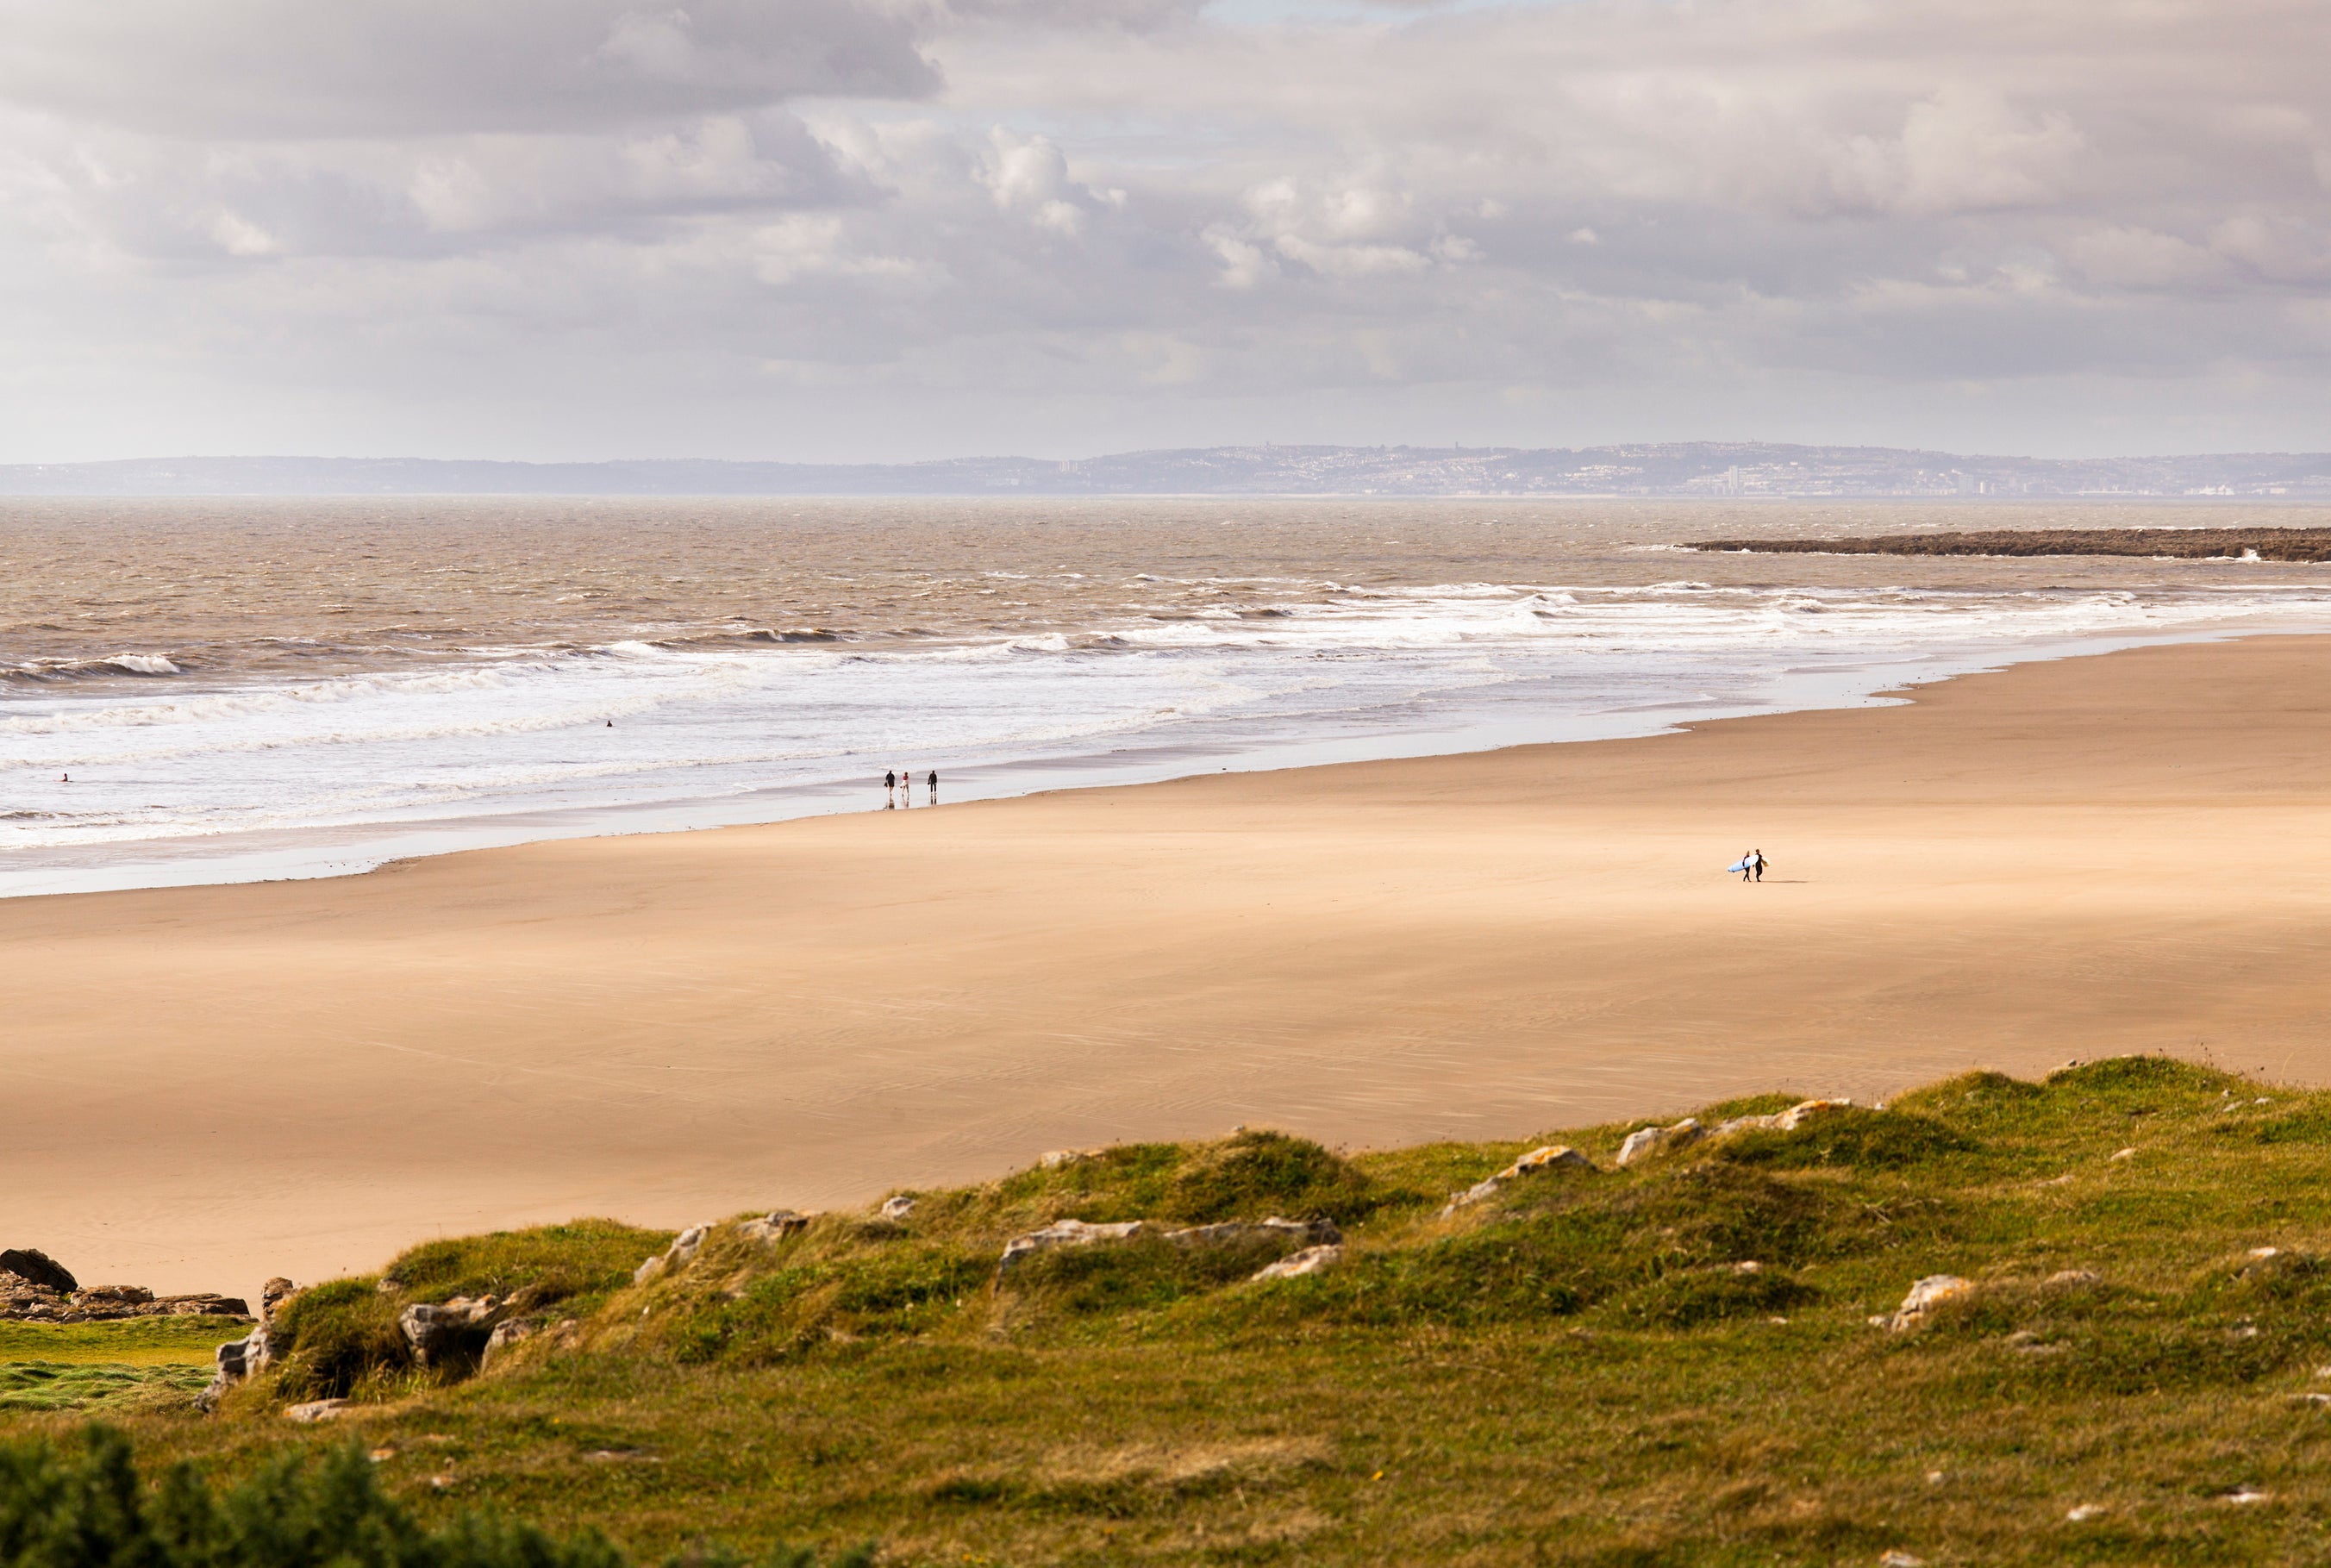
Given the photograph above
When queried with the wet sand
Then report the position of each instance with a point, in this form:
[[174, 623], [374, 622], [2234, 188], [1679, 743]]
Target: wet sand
[[202, 1087]]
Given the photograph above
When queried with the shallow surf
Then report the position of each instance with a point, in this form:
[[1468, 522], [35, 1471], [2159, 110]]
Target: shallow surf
[[242, 691]]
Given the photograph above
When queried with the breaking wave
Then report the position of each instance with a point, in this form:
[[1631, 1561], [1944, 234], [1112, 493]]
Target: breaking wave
[[111, 664]]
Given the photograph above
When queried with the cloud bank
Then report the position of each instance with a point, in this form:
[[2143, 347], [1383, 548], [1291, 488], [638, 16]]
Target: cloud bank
[[884, 229]]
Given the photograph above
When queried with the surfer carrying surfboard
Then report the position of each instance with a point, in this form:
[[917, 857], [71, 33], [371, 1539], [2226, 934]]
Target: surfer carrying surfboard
[[1751, 866]]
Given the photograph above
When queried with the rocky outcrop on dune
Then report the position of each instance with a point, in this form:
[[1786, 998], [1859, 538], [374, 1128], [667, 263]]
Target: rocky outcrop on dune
[[458, 1331], [34, 1287], [677, 1256], [1925, 1295], [1552, 1158], [1296, 1265], [1308, 1233], [250, 1355], [774, 1226], [1646, 1143]]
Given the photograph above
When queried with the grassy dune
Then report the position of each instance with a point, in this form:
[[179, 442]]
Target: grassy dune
[[1580, 1368]]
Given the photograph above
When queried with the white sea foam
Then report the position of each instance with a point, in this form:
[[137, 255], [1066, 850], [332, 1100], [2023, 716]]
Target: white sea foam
[[746, 725], [112, 664]]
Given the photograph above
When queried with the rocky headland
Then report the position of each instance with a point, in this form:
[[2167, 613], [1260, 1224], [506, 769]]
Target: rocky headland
[[2184, 544]]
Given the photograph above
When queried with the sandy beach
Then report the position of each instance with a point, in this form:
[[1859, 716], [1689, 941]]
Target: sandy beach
[[203, 1087]]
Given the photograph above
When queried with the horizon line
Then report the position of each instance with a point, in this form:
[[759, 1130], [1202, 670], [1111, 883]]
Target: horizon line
[[1340, 447]]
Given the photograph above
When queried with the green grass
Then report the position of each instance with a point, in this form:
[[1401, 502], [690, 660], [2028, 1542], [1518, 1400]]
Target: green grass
[[84, 1386], [83, 1504], [1584, 1369], [132, 1342], [578, 1264], [341, 1338]]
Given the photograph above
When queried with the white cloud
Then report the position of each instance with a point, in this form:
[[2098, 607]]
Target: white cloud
[[238, 236], [2131, 256], [1057, 225], [290, 68]]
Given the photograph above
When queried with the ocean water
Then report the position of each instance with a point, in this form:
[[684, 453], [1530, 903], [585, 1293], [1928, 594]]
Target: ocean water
[[196, 691]]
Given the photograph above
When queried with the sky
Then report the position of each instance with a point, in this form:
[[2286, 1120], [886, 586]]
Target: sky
[[890, 230]]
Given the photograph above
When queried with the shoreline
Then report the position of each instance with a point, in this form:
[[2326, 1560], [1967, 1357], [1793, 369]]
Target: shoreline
[[2063, 859], [323, 852]]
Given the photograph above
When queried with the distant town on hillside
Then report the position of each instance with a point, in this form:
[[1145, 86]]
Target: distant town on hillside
[[1716, 469]]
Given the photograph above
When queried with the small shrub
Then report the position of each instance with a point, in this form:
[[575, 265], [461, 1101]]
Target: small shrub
[[1986, 1102], [332, 1338], [1255, 1176], [1123, 1181], [2310, 1126], [1575, 1243], [1543, 1266], [1724, 1211], [2102, 1339], [900, 1290], [1865, 1139], [1693, 1297], [545, 1264], [2130, 1077], [2285, 1281], [1755, 1105], [84, 1505]]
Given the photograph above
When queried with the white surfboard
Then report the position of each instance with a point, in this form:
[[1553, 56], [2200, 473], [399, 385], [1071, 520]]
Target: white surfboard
[[1737, 865]]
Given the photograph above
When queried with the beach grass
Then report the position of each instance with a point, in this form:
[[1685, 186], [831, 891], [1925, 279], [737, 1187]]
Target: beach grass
[[1670, 1363], [105, 1387], [130, 1341]]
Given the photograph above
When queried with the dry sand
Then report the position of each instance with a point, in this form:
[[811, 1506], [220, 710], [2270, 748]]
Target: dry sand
[[202, 1087]]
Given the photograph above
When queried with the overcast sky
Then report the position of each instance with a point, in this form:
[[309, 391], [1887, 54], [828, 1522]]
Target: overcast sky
[[895, 229]]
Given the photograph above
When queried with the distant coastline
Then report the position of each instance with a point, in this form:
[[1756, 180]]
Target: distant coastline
[[1713, 471], [2180, 544]]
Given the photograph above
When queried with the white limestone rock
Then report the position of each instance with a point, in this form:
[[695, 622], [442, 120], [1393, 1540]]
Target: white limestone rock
[[1647, 1143], [455, 1328], [1787, 1121], [1927, 1294], [774, 1226], [1552, 1156], [1296, 1264], [673, 1259], [1064, 1233], [317, 1409], [507, 1333], [252, 1354], [1644, 1143], [1310, 1232]]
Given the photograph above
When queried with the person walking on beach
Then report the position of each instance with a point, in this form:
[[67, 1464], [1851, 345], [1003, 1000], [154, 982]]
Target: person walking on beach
[[1757, 864], [935, 786], [1746, 865], [891, 790]]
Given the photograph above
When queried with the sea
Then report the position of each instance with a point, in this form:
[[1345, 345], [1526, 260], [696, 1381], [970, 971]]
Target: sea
[[217, 691]]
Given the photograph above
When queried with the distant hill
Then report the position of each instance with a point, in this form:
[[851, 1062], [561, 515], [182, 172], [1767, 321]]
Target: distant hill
[[1674, 469]]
